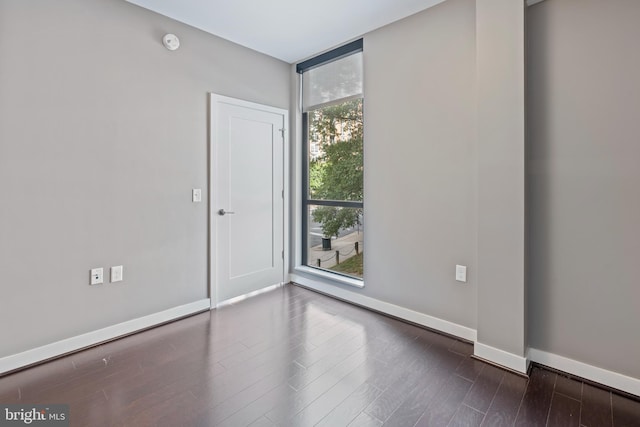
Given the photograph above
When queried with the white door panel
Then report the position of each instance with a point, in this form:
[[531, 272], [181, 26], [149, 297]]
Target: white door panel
[[247, 160], [250, 232]]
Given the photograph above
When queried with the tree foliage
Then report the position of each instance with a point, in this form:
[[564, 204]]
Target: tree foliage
[[337, 174]]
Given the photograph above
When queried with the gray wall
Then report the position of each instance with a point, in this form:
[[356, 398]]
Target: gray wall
[[500, 49], [584, 201], [420, 179], [103, 134]]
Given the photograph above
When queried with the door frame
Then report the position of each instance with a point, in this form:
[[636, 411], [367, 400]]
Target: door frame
[[214, 101]]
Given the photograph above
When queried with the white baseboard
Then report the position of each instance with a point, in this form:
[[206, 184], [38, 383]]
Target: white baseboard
[[501, 357], [49, 351], [608, 378], [482, 351], [387, 308]]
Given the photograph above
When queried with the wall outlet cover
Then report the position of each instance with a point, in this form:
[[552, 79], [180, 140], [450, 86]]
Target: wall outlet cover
[[97, 276], [117, 273], [461, 273]]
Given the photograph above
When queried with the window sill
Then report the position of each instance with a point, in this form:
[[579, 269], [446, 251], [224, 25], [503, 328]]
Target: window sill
[[332, 277]]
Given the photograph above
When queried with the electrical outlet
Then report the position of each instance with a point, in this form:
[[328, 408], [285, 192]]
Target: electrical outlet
[[117, 274], [461, 273], [97, 276], [196, 195]]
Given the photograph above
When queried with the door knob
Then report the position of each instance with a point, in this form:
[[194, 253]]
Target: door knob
[[222, 212]]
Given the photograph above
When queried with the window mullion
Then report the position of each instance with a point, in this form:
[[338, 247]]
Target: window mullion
[[336, 203]]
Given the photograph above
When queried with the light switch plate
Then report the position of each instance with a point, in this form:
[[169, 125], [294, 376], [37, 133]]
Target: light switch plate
[[196, 195], [97, 276], [116, 273], [461, 273]]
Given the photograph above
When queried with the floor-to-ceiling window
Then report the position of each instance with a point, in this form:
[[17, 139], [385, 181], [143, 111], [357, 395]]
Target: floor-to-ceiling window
[[332, 190]]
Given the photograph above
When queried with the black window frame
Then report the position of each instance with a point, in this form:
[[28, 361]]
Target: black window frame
[[317, 61]]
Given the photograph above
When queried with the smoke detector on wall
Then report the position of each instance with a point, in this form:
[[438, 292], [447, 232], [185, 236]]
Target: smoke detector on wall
[[171, 41]]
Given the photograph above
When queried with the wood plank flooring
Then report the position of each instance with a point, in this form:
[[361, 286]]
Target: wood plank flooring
[[292, 357]]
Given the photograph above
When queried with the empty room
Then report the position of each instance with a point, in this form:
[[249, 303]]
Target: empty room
[[185, 189]]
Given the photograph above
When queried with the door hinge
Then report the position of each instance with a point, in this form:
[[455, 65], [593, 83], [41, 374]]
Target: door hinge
[[282, 254], [282, 194]]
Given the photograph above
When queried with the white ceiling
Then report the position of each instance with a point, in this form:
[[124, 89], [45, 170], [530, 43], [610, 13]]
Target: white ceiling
[[290, 30]]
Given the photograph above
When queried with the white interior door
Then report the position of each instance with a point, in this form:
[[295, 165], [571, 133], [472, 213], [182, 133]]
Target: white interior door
[[247, 208]]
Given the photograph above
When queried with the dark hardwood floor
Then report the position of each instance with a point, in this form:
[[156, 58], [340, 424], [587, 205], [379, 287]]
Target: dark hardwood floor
[[292, 357]]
